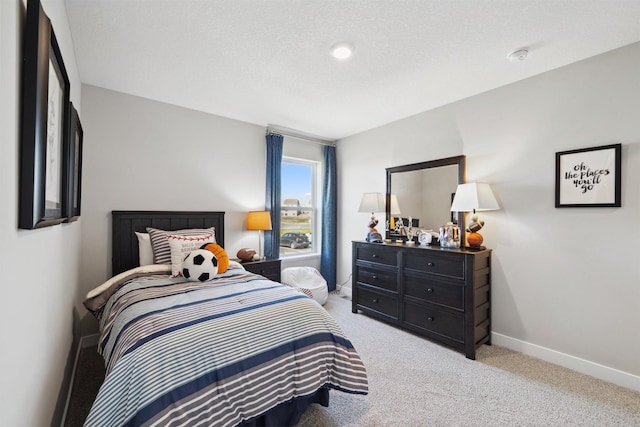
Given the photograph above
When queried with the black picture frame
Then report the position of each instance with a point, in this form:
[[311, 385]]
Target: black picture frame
[[45, 124], [589, 177], [73, 167]]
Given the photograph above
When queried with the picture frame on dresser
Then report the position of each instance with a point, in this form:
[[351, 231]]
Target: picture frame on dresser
[[45, 124], [589, 177]]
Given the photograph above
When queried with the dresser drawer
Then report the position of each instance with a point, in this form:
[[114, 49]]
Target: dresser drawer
[[433, 320], [378, 302], [377, 254], [377, 277], [433, 290], [269, 269], [436, 263]]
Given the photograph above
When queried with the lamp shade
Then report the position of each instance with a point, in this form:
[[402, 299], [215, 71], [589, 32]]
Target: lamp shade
[[372, 202], [259, 220], [395, 207], [472, 197]]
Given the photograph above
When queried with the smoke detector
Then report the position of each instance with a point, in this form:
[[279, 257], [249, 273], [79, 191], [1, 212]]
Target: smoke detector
[[518, 55]]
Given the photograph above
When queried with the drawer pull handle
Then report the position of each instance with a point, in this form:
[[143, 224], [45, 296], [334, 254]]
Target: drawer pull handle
[[430, 319], [430, 264], [374, 277], [374, 256], [375, 300], [430, 290]]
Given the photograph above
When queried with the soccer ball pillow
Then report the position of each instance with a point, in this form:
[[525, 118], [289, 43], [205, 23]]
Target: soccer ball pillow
[[199, 266]]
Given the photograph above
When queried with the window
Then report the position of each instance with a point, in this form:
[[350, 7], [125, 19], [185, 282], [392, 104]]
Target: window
[[299, 215]]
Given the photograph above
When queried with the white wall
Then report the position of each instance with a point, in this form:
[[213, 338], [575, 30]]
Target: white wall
[[566, 282], [39, 267], [141, 154], [411, 140], [145, 155]]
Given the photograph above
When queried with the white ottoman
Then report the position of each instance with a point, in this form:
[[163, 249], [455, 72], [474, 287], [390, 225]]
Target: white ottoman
[[308, 280]]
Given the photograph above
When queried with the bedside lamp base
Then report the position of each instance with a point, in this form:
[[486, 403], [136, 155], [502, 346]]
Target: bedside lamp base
[[475, 241]]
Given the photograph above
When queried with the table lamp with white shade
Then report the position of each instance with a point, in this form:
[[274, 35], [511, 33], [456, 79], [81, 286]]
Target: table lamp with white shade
[[474, 197], [372, 202]]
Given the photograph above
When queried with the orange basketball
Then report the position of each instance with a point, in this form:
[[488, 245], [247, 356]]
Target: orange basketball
[[220, 254], [474, 239]]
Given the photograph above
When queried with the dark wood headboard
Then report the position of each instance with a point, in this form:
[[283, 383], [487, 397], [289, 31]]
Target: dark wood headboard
[[124, 250]]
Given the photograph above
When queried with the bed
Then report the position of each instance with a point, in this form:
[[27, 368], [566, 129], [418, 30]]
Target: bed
[[236, 350]]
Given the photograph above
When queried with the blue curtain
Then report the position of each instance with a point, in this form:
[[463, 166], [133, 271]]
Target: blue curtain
[[329, 218], [273, 198]]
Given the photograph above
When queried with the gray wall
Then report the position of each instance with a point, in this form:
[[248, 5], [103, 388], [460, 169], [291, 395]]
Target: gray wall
[[553, 279], [145, 155], [566, 282], [141, 154], [39, 267]]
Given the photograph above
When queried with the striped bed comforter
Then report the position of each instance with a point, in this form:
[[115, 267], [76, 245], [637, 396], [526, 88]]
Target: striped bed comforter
[[215, 353]]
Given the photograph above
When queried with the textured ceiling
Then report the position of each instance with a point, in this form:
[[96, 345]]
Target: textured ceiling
[[268, 62]]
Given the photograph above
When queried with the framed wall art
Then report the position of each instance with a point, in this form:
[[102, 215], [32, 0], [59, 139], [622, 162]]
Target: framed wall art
[[73, 167], [589, 177], [45, 124]]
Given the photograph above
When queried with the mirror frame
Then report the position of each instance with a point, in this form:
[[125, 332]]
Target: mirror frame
[[460, 161]]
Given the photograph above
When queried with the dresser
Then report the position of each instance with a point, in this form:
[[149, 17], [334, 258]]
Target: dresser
[[441, 294]]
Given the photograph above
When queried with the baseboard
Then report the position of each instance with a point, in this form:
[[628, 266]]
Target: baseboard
[[345, 291], [605, 373], [86, 341]]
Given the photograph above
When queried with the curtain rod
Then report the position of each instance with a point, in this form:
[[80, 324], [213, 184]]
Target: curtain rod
[[293, 134]]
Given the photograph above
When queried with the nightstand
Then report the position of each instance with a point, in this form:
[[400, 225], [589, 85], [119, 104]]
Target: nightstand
[[269, 268]]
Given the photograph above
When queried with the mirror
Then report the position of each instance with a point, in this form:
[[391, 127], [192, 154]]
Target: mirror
[[424, 191]]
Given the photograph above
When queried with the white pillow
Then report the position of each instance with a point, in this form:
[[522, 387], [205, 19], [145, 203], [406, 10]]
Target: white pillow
[[181, 246], [143, 269], [160, 245], [145, 251]]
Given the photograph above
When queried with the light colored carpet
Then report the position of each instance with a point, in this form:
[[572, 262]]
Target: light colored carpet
[[414, 382]]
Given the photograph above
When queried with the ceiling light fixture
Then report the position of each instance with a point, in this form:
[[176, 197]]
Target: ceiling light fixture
[[341, 50], [518, 55]]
